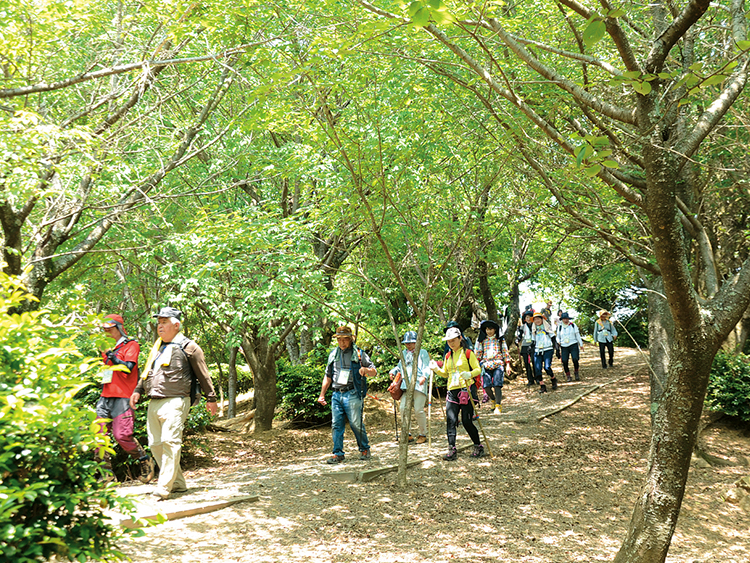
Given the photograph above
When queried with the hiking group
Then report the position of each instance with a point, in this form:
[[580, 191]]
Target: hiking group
[[466, 368]]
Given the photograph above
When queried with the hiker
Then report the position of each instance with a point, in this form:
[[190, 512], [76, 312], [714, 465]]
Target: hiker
[[605, 334], [460, 367], [465, 343], [171, 375], [114, 403], [420, 388], [525, 340], [571, 344], [492, 353], [543, 351], [347, 370]]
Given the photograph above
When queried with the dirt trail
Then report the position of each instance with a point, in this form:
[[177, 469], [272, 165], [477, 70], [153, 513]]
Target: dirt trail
[[559, 489]]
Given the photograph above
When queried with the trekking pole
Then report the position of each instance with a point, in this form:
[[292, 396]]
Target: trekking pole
[[429, 414], [395, 418], [486, 441]]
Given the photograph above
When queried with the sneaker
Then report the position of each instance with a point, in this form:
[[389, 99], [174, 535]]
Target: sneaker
[[180, 490], [147, 469], [568, 378], [365, 455], [451, 455], [421, 439], [542, 388], [410, 439], [577, 377], [554, 383], [160, 494], [498, 410], [335, 459], [478, 451]]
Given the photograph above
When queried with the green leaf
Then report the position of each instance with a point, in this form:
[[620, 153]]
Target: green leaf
[[592, 171], [631, 74], [611, 164], [422, 17], [414, 7], [643, 88], [665, 75], [744, 45], [715, 79], [696, 67], [594, 32]]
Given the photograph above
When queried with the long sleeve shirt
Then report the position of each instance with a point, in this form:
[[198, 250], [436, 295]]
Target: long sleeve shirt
[[542, 335], [604, 331], [492, 353], [457, 363], [567, 335], [423, 370]]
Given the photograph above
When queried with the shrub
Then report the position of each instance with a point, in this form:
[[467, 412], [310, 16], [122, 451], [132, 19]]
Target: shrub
[[298, 387], [51, 503], [729, 385]]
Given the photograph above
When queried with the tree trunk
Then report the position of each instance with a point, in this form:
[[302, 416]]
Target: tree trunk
[[675, 429], [292, 348], [514, 312], [232, 383], [306, 343], [660, 337], [484, 289], [263, 364]]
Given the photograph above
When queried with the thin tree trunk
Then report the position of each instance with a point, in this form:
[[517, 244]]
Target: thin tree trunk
[[232, 383], [660, 337]]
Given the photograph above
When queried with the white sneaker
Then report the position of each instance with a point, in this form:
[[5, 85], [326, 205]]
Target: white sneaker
[[498, 410]]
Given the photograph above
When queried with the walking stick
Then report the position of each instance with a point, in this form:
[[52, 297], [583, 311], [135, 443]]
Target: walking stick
[[429, 413], [486, 441], [395, 418]]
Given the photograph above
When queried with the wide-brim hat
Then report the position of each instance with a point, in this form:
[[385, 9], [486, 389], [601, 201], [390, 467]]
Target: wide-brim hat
[[527, 313], [344, 332], [452, 333], [565, 316], [484, 325], [168, 312], [602, 312], [540, 314]]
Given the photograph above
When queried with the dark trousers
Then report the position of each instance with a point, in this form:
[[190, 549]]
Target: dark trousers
[[610, 347], [570, 352], [527, 359], [452, 410]]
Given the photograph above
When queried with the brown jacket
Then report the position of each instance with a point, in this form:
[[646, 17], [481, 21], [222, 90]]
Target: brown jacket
[[175, 379]]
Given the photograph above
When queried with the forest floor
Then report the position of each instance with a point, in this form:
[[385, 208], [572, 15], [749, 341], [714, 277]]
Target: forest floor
[[558, 489]]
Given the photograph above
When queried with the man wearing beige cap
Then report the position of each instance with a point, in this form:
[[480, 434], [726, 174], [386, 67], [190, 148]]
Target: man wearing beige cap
[[347, 371]]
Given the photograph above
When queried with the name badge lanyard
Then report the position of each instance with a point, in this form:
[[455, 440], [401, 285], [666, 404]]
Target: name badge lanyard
[[343, 376]]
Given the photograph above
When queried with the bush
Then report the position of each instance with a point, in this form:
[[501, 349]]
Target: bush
[[729, 385], [298, 388], [50, 501]]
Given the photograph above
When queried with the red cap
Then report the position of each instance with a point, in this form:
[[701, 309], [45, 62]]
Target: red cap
[[116, 320]]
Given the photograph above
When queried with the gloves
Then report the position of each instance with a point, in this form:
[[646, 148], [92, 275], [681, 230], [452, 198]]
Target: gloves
[[466, 376], [112, 357], [433, 365]]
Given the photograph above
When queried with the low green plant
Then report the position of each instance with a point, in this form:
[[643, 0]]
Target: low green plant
[[51, 502], [729, 385], [298, 387]]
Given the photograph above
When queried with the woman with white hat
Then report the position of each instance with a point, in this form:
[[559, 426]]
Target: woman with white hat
[[605, 334], [460, 367]]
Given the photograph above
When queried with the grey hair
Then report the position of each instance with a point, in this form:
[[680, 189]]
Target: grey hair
[[174, 321]]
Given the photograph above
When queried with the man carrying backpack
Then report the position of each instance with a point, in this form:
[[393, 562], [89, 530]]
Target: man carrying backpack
[[173, 366]]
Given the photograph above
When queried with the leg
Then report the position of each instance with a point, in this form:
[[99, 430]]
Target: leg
[[420, 399], [548, 355], [354, 406], [538, 359], [122, 428], [527, 365], [611, 350], [565, 357], [575, 353], [338, 422], [467, 412], [602, 346], [171, 414], [451, 417]]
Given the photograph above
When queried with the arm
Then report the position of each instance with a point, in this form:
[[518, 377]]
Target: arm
[[323, 389], [198, 363], [476, 369], [368, 368]]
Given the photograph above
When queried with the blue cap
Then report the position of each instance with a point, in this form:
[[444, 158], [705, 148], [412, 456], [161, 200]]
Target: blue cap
[[409, 338]]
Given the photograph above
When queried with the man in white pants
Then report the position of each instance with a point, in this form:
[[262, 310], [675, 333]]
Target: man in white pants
[[174, 369]]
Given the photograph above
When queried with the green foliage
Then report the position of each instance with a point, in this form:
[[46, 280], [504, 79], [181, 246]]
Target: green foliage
[[299, 385], [729, 385], [50, 501]]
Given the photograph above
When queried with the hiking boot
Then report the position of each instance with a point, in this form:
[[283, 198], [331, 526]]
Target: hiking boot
[[567, 377], [410, 439], [577, 377], [498, 410], [478, 451], [335, 459], [421, 439], [542, 388], [365, 455], [554, 383], [147, 469], [451, 455]]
